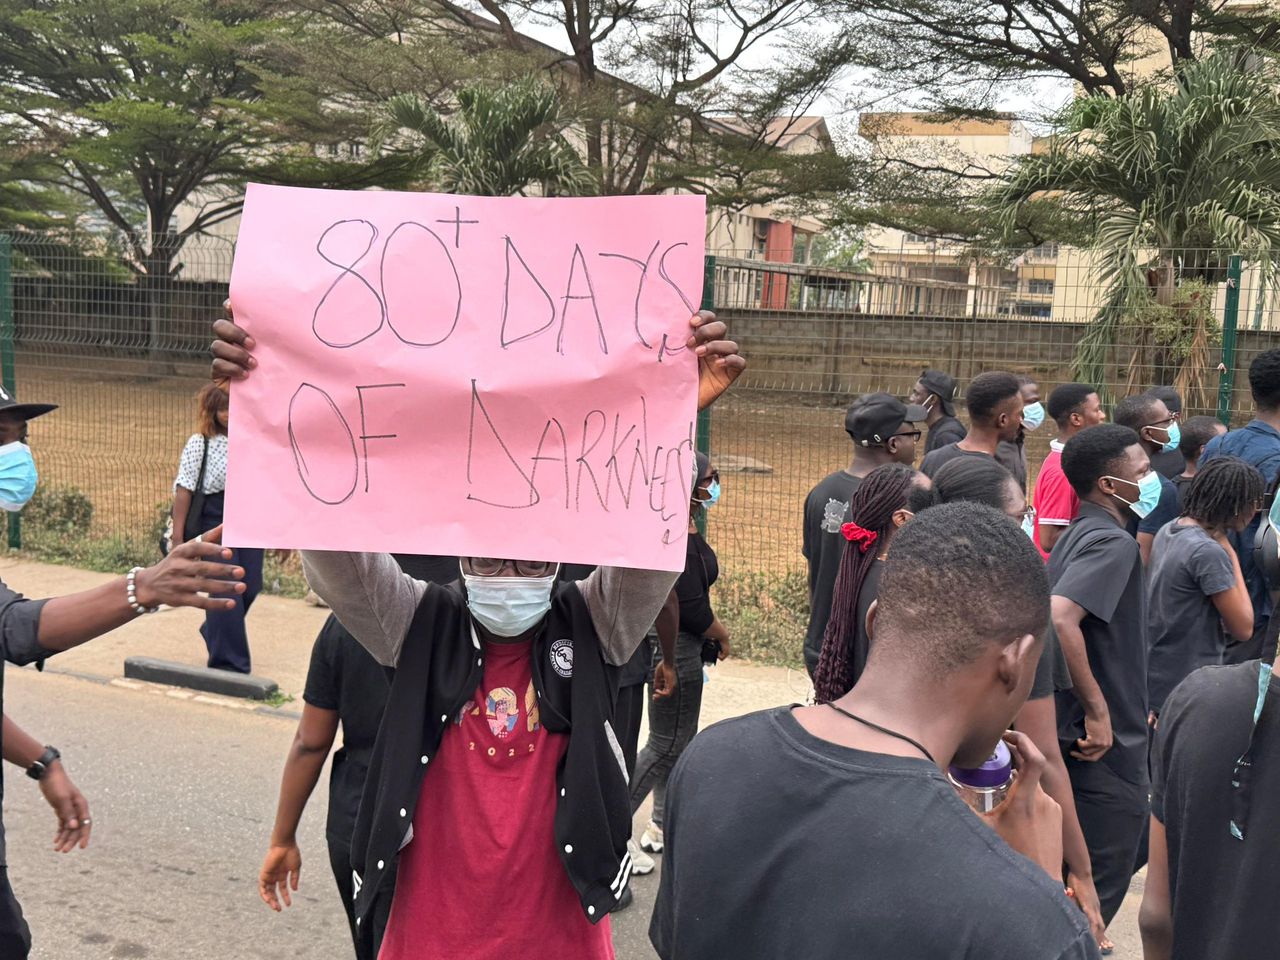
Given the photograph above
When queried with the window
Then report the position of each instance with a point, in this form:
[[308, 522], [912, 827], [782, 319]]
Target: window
[[1040, 286], [918, 238], [1046, 251]]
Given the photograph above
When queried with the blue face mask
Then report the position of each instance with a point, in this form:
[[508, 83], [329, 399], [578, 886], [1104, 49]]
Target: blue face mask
[[508, 606], [17, 476], [713, 495], [1029, 525], [1033, 415], [1149, 489], [1175, 437]]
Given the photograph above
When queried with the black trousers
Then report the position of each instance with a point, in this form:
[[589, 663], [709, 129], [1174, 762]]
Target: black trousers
[[15, 935], [1113, 816], [340, 861], [626, 722]]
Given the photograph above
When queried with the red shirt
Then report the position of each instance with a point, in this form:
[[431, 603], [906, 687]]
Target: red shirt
[[482, 878], [1055, 502]]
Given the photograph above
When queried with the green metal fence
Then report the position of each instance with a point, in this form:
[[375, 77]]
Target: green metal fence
[[124, 360]]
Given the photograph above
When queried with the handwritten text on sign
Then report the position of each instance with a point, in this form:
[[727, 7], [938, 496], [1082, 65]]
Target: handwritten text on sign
[[476, 376]]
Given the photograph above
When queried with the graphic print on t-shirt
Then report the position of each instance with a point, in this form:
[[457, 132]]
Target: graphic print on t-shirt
[[833, 516], [501, 712]]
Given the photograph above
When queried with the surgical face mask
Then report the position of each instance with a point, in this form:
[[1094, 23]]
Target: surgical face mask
[[1149, 488], [1175, 437], [712, 497], [508, 606], [17, 476], [1029, 525], [1033, 415]]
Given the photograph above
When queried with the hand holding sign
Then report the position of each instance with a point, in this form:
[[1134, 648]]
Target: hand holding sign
[[434, 389]]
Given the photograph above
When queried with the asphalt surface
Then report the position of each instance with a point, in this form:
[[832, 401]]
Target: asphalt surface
[[182, 795]]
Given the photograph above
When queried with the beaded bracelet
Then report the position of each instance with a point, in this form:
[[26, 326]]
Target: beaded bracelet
[[131, 586]]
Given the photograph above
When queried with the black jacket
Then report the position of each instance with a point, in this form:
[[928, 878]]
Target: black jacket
[[440, 667]]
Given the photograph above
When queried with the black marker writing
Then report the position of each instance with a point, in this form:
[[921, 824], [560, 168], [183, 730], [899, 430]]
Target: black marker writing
[[457, 222], [364, 426], [344, 314], [334, 490], [570, 296], [527, 301]]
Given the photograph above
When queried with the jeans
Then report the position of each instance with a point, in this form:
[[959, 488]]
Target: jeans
[[673, 721]]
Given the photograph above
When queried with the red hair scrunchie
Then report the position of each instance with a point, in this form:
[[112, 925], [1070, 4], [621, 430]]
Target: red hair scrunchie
[[864, 538]]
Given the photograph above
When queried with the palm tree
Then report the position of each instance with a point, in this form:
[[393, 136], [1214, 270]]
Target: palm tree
[[501, 141], [1164, 173]]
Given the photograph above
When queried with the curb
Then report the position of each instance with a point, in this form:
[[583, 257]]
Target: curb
[[222, 682]]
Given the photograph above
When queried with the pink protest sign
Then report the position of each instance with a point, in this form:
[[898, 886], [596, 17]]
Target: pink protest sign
[[471, 376]]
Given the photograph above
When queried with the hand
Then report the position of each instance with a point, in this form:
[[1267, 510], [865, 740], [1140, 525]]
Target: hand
[[664, 680], [726, 649], [279, 874], [1083, 892], [719, 363], [1097, 738], [74, 824], [1028, 819], [233, 348], [189, 571]]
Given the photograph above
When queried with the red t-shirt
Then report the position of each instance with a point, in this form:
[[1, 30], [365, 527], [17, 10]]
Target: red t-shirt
[[482, 878], [1055, 502]]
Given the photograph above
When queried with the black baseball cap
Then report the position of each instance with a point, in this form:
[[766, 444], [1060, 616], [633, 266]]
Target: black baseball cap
[[875, 417], [944, 385], [27, 411]]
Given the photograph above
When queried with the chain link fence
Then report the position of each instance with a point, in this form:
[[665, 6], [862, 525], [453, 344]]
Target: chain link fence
[[123, 357]]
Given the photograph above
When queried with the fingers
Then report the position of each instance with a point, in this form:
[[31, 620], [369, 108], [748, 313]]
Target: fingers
[[231, 361], [267, 891], [1028, 760], [229, 332], [290, 878], [717, 348], [706, 328], [212, 536], [86, 823], [195, 549]]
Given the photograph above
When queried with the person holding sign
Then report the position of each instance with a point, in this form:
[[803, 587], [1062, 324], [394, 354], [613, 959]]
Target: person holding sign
[[497, 777]]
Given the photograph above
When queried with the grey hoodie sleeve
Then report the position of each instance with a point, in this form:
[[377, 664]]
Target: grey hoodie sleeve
[[623, 604], [369, 593]]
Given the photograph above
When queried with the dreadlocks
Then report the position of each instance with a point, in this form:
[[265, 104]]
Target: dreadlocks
[[1224, 488], [872, 506]]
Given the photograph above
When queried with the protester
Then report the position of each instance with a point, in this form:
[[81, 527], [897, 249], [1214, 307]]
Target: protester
[[1012, 454], [935, 391], [702, 637], [1100, 620], [33, 630], [1196, 433], [496, 769], [979, 480], [1073, 407], [995, 414], [852, 796], [345, 686], [1194, 585], [1168, 463], [1157, 431], [198, 494], [1215, 855], [1256, 443], [983, 480], [883, 430], [891, 495]]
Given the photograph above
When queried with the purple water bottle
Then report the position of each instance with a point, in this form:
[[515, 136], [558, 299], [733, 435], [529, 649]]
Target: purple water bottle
[[984, 788]]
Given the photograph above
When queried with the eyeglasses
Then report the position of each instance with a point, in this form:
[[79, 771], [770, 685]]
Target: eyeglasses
[[493, 567], [712, 477], [1164, 424], [913, 434]]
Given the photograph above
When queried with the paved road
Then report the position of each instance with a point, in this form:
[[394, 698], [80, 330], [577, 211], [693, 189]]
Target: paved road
[[183, 795]]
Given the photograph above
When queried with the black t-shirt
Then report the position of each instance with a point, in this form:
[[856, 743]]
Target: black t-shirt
[[945, 431], [878, 858], [1013, 457], [1168, 464], [1096, 564], [1222, 890], [826, 510], [1187, 568], [933, 462], [1052, 672], [866, 596], [1181, 485], [345, 678], [693, 588]]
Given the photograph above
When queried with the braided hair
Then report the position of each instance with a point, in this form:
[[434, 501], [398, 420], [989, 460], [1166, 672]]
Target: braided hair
[[1223, 488], [872, 506]]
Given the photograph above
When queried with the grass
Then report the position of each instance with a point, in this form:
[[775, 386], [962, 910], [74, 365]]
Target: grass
[[278, 699]]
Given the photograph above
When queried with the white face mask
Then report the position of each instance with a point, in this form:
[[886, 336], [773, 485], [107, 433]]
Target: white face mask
[[508, 606]]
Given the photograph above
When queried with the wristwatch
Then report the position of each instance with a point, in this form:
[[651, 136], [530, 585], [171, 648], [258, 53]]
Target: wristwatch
[[38, 769]]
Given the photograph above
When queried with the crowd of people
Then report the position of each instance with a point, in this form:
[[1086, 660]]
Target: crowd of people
[[1100, 618], [1158, 609]]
